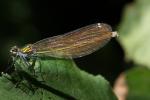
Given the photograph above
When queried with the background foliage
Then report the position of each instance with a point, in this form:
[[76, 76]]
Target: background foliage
[[135, 39]]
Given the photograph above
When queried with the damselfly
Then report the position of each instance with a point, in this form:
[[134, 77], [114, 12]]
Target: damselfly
[[74, 44]]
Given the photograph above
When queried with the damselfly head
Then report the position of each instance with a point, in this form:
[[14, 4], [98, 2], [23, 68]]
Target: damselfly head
[[14, 50]]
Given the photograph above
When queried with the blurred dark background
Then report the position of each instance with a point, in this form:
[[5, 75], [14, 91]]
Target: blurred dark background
[[27, 21]]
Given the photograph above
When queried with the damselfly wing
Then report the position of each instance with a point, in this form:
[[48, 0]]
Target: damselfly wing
[[74, 44]]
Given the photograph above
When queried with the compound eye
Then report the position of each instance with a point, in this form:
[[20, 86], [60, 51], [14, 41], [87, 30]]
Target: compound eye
[[14, 50]]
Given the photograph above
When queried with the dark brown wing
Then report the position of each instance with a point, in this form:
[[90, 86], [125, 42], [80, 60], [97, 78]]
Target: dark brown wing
[[75, 44]]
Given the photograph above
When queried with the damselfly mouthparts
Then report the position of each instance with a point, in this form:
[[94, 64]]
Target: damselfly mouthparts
[[77, 43]]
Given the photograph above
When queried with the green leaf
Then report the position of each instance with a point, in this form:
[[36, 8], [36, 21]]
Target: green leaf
[[134, 32], [139, 83], [53, 79]]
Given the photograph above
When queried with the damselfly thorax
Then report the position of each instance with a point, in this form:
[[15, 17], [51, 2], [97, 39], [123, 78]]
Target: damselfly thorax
[[74, 44]]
